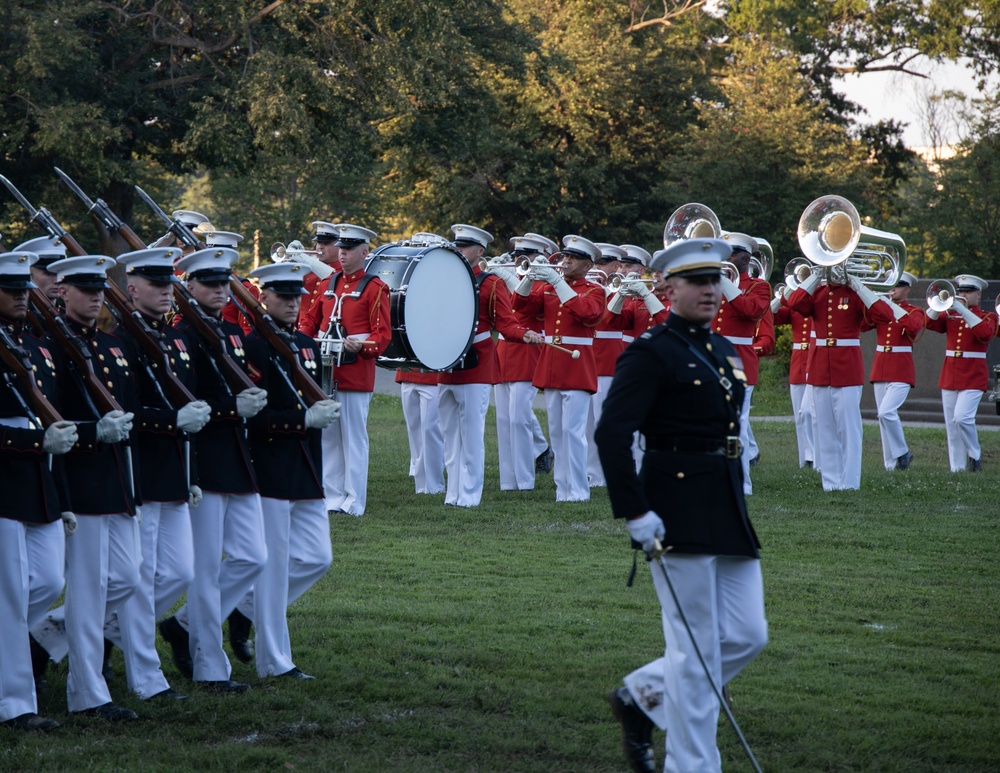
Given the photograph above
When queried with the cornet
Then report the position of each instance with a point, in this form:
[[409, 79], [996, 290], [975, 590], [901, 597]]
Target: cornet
[[281, 253]]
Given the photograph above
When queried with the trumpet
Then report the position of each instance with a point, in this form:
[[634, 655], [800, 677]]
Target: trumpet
[[830, 235], [730, 272], [629, 285], [798, 270], [597, 276], [941, 295], [281, 253]]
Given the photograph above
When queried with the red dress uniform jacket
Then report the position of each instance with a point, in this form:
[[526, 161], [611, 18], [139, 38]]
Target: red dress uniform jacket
[[367, 314], [428, 377], [312, 283], [837, 313], [609, 341], [737, 320], [763, 338], [642, 320], [232, 313], [959, 370], [570, 325], [894, 351], [517, 360], [494, 312], [802, 341]]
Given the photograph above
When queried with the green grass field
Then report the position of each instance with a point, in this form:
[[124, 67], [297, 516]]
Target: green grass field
[[486, 640]]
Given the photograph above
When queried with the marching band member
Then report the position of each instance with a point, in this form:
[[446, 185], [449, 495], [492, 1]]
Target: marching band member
[[648, 305], [836, 371], [763, 345], [802, 340], [743, 305], [32, 546], [419, 391], [893, 374], [165, 538], [522, 448], [325, 239], [964, 375], [608, 344], [285, 441], [102, 555], [228, 519], [465, 393], [359, 304], [680, 385], [572, 308]]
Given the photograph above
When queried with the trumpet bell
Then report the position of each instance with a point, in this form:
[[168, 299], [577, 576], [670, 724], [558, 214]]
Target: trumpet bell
[[940, 295], [797, 270], [829, 230], [691, 221], [730, 272], [278, 252], [766, 259]]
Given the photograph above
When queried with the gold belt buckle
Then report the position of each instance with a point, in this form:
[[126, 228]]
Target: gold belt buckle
[[557, 339], [831, 341], [733, 447], [887, 348], [958, 355]]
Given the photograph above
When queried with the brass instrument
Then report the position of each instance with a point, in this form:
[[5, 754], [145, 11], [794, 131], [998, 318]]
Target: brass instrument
[[831, 235], [765, 261], [798, 270], [691, 221], [941, 295], [281, 253], [627, 285], [597, 276]]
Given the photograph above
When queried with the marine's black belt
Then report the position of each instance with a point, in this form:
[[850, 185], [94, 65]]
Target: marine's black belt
[[729, 447]]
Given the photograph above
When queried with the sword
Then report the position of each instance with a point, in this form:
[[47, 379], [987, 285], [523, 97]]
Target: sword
[[657, 555]]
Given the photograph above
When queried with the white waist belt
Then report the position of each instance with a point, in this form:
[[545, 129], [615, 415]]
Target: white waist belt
[[804, 345], [838, 341], [737, 341], [965, 355], [360, 336], [480, 337], [574, 340], [890, 348], [627, 339], [608, 334]]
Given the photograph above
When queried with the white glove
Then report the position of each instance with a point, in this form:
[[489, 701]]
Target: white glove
[[114, 426], [69, 522], [646, 530], [897, 311], [729, 288], [933, 314], [966, 314], [250, 402], [60, 437], [810, 283], [317, 266], [193, 416], [775, 305], [866, 294], [322, 414], [525, 285], [194, 495], [616, 303], [563, 290], [546, 274], [653, 304]]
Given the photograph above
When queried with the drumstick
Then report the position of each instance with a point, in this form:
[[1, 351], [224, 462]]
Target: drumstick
[[574, 353]]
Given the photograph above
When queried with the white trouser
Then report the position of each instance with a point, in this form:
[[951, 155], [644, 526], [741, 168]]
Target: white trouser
[[722, 599], [519, 435], [423, 430], [568, 411], [166, 572], [838, 418], [595, 473], [229, 524], [298, 555], [102, 570], [745, 455], [753, 450], [463, 424], [802, 411], [17, 688], [889, 396], [960, 426], [345, 455]]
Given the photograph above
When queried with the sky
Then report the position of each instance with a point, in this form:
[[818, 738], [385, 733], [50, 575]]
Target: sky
[[895, 95]]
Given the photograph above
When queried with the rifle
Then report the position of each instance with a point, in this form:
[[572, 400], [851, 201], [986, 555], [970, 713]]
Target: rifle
[[18, 362], [44, 218], [282, 344], [153, 344]]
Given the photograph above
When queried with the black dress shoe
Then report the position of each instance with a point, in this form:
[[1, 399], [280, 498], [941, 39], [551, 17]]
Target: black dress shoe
[[903, 462], [239, 636], [177, 638], [295, 673], [637, 731], [32, 723], [974, 465], [39, 664], [224, 687], [106, 670], [543, 462], [755, 461], [109, 712], [167, 695]]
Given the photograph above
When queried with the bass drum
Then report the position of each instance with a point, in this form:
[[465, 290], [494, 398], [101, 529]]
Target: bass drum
[[434, 305]]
